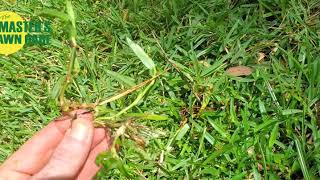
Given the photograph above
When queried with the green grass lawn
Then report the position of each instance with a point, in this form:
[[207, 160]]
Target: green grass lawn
[[210, 125]]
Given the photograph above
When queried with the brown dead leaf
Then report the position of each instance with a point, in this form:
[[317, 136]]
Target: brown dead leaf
[[239, 71], [260, 167]]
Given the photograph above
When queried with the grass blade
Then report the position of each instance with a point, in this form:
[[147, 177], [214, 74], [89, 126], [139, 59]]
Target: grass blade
[[147, 116], [182, 132], [145, 59], [262, 107], [57, 87], [217, 153], [219, 129], [274, 135], [73, 30], [302, 160], [53, 14], [128, 81], [134, 88], [291, 111], [71, 13]]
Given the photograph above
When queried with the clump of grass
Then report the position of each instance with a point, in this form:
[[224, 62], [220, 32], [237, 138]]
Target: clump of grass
[[103, 118]]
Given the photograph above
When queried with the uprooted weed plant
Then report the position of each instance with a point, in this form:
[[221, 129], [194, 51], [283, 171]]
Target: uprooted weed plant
[[180, 114]]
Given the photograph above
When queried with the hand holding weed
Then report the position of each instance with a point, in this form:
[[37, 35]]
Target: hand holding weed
[[64, 149]]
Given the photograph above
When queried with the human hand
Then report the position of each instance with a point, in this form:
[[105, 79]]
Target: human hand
[[64, 149]]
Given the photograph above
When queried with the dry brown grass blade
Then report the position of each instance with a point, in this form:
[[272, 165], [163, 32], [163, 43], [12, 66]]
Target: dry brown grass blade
[[134, 88]]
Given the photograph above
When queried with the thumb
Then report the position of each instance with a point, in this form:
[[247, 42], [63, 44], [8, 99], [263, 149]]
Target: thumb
[[72, 152]]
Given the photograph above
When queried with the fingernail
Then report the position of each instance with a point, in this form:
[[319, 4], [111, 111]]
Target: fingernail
[[79, 130]]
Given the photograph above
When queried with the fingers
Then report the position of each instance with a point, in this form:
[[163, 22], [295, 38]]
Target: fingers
[[72, 152], [90, 168], [44, 147], [35, 153], [99, 135], [10, 174]]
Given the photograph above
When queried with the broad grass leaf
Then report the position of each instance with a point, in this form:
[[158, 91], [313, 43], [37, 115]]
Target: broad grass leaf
[[148, 116], [72, 31], [70, 12], [53, 14], [211, 69], [209, 138], [262, 107], [182, 132], [57, 87], [182, 163], [128, 81], [184, 70], [76, 66], [181, 67], [155, 117], [207, 135], [301, 158], [291, 111], [145, 59], [235, 136], [274, 135], [264, 125], [219, 129], [217, 153]]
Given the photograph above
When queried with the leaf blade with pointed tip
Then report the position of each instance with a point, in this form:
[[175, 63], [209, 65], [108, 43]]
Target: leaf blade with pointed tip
[[302, 159], [55, 92], [70, 12], [148, 116], [145, 59], [291, 111], [53, 14], [182, 132], [274, 135], [262, 107], [219, 129], [128, 81]]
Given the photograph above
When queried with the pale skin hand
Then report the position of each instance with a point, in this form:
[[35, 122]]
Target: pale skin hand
[[64, 149]]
